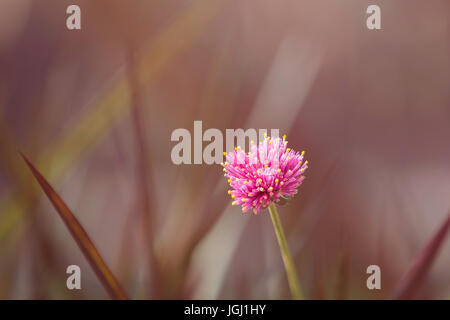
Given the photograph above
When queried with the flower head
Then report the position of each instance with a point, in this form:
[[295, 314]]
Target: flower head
[[262, 176]]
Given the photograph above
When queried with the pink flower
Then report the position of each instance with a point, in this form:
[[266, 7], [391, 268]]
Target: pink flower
[[264, 175]]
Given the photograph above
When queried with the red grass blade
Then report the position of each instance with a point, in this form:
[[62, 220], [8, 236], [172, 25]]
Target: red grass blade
[[413, 278], [81, 237]]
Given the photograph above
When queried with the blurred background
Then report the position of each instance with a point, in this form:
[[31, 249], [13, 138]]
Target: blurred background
[[94, 110]]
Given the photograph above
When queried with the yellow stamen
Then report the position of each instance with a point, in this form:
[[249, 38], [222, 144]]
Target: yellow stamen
[[229, 191]]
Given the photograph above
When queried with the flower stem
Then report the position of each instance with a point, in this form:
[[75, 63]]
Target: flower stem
[[285, 254]]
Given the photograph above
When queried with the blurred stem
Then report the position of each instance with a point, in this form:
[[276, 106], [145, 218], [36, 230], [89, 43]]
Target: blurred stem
[[285, 254], [143, 163]]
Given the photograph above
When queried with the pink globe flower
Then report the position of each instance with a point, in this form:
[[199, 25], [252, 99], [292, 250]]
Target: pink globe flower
[[267, 173]]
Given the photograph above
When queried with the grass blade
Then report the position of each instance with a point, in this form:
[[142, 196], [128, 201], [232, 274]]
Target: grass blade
[[413, 278], [81, 237]]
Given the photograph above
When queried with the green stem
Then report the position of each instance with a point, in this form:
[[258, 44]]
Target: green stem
[[285, 254]]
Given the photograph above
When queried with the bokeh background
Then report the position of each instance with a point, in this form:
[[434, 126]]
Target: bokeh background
[[94, 110]]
